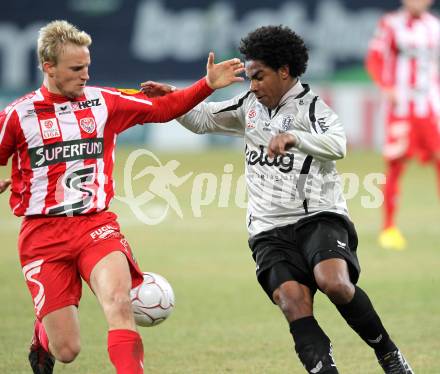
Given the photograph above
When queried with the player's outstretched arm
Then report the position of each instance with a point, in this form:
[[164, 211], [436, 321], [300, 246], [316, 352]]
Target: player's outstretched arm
[[224, 73], [168, 105], [4, 184], [218, 76]]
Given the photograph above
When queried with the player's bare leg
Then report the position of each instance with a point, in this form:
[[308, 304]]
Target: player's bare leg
[[352, 302], [333, 279], [311, 343], [62, 328], [294, 299], [56, 337], [111, 282]]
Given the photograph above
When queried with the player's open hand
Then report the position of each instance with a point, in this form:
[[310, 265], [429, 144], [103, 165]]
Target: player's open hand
[[224, 73], [280, 143], [155, 89], [4, 184]]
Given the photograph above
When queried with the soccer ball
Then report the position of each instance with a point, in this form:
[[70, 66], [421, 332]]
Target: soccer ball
[[152, 300]]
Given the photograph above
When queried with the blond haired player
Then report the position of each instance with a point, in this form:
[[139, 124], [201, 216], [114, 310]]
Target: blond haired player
[[61, 138]]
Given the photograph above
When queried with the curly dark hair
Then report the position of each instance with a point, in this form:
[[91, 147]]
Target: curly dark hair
[[276, 46]]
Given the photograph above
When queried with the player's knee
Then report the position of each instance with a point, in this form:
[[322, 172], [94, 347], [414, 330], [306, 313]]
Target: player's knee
[[294, 305], [67, 351], [118, 303], [339, 291]]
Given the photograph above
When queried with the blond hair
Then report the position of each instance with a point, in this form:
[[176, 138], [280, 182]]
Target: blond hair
[[54, 36]]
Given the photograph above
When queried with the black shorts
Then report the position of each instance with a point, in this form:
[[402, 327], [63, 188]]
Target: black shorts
[[291, 252]]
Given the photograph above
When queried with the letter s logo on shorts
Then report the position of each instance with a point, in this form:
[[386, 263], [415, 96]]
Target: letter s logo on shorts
[[88, 124], [29, 271]]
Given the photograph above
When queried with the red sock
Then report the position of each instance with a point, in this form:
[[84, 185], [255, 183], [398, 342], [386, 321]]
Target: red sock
[[391, 191], [126, 351], [437, 166], [40, 332]]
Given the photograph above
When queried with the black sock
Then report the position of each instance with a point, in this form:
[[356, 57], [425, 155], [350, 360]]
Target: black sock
[[312, 346], [362, 318]]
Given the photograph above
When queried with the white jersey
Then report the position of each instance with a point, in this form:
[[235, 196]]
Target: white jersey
[[284, 189]]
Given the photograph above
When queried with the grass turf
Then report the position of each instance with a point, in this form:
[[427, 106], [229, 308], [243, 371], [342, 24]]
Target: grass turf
[[223, 321]]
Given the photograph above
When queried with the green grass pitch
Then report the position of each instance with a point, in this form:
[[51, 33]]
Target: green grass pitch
[[223, 322]]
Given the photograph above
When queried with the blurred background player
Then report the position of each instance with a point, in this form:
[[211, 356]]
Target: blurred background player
[[300, 232], [403, 60], [62, 138]]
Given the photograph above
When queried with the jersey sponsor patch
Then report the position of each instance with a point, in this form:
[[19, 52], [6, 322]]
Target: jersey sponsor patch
[[284, 163], [103, 232], [71, 150], [80, 105], [50, 128], [88, 124]]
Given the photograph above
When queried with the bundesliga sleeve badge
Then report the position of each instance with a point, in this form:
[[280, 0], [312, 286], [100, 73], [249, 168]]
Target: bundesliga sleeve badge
[[50, 128]]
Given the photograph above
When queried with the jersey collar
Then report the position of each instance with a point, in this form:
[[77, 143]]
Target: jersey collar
[[56, 98], [296, 92]]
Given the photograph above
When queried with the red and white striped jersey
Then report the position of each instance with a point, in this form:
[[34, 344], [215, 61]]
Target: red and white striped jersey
[[404, 55], [63, 150]]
